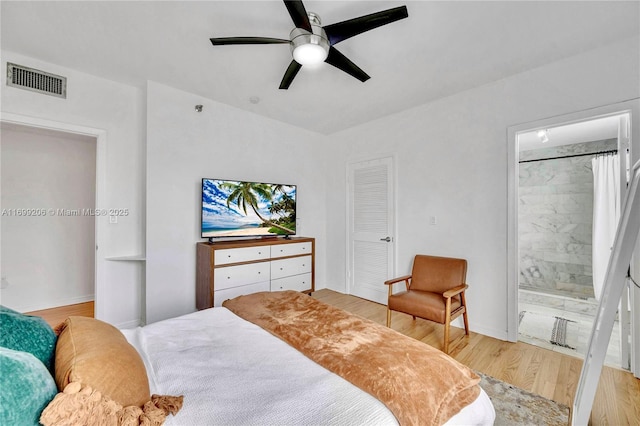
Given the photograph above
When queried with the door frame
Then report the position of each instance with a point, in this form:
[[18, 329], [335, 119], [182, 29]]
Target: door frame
[[100, 222], [348, 212], [630, 106]]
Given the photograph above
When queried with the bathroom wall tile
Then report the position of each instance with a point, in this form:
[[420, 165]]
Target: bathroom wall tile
[[571, 188], [555, 219], [575, 248], [579, 259], [585, 217], [540, 189]]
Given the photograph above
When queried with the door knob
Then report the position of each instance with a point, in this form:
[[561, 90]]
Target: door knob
[[388, 239]]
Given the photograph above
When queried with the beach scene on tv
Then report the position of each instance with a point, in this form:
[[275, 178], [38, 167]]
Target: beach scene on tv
[[236, 208]]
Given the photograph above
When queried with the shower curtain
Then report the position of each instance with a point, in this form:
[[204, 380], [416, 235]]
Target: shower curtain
[[606, 194]]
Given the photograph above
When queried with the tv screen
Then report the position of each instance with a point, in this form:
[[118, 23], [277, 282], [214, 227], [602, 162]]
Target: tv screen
[[233, 208]]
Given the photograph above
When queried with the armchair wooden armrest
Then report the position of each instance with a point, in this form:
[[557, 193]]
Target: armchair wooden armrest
[[454, 291], [392, 281], [397, 280]]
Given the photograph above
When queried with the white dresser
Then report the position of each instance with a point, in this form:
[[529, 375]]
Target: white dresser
[[233, 268]]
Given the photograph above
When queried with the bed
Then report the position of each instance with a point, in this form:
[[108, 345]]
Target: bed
[[232, 371], [271, 358]]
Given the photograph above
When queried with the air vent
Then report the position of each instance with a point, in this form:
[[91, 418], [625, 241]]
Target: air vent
[[36, 80]]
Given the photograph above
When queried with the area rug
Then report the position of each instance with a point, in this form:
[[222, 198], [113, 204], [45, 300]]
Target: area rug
[[515, 406], [555, 330]]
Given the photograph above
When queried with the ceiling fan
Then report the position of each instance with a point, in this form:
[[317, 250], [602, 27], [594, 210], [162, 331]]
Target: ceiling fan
[[311, 43]]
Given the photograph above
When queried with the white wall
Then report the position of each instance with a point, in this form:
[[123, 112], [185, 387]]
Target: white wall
[[47, 256], [452, 163], [184, 146], [118, 110]]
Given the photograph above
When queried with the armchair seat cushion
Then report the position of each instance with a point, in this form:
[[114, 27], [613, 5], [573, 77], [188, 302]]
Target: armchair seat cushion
[[423, 304]]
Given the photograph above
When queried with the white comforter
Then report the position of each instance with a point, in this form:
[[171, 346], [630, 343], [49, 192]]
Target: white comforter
[[232, 372]]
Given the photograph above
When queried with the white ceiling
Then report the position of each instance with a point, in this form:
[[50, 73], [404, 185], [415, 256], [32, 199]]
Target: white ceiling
[[443, 48]]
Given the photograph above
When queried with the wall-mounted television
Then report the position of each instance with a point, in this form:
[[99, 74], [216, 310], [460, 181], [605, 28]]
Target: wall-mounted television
[[241, 209]]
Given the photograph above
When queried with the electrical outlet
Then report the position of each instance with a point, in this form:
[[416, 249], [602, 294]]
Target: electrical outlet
[[433, 220]]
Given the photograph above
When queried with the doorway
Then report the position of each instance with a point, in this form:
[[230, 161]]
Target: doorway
[[563, 235], [371, 228], [48, 220], [97, 138], [551, 227]]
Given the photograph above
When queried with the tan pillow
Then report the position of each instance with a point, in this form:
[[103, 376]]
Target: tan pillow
[[98, 355]]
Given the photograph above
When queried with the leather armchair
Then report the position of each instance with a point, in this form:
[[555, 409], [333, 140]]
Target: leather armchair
[[434, 291]]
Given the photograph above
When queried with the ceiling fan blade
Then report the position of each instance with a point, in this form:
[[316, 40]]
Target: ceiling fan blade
[[290, 74], [346, 29], [343, 63], [221, 41], [299, 14]]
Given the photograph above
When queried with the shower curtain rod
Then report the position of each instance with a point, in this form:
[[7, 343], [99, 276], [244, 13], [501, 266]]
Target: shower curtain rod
[[613, 151]]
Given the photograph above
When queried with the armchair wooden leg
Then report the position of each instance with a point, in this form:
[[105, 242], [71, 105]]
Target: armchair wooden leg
[[464, 314], [446, 338], [466, 323], [388, 317], [447, 324]]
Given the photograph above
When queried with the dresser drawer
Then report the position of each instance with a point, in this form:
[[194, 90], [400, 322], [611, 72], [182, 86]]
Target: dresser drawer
[[244, 254], [293, 249], [293, 266], [297, 282], [220, 296], [234, 276]]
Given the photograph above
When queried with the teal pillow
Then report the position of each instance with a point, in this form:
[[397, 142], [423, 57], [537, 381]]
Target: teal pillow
[[26, 388], [28, 334]]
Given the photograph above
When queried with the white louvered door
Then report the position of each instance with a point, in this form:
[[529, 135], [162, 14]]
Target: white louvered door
[[371, 233]]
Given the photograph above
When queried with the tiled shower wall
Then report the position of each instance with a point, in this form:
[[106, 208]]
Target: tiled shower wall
[[555, 215]]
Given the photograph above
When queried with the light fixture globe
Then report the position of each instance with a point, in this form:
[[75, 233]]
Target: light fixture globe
[[543, 134], [310, 54], [310, 48]]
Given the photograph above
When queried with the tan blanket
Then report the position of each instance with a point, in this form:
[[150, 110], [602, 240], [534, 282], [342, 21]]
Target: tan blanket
[[418, 383]]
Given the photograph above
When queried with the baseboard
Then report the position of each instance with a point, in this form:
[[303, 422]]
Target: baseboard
[[128, 324], [490, 332], [54, 303]]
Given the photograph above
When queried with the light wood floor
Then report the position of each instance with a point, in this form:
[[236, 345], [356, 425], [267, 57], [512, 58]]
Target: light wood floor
[[541, 371], [55, 316]]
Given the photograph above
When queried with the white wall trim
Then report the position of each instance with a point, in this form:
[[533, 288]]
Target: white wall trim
[[630, 106], [101, 179], [55, 302]]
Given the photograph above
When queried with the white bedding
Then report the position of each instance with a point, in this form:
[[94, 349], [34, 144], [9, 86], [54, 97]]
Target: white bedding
[[232, 372]]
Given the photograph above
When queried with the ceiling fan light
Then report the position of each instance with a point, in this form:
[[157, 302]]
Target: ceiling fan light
[[310, 54], [309, 48]]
